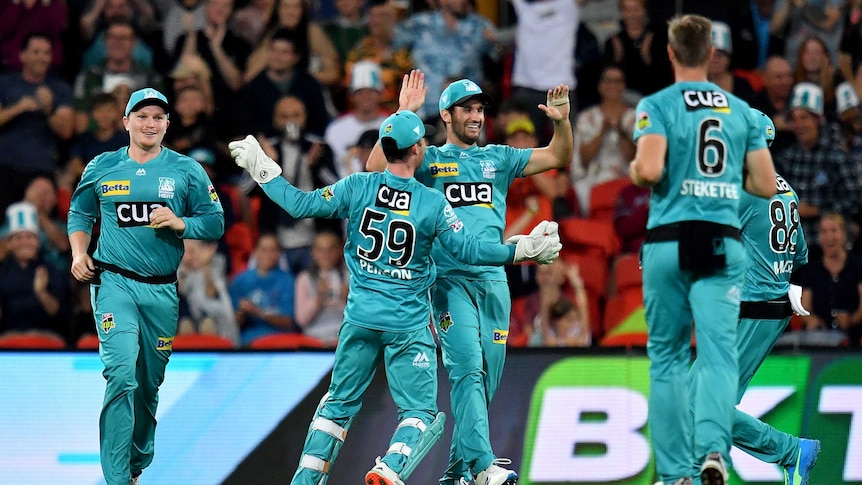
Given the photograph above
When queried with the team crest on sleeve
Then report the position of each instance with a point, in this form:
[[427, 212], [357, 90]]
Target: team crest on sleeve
[[643, 121], [213, 194], [107, 322], [327, 193]]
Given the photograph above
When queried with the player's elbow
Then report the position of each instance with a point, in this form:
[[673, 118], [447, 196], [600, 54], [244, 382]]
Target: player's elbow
[[644, 174]]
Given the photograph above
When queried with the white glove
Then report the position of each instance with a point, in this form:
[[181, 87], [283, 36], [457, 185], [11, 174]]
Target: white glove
[[542, 245], [250, 156], [795, 295]]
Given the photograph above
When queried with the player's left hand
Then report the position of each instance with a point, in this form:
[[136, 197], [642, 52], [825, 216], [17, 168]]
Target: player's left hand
[[250, 156], [413, 91], [164, 218], [557, 106], [795, 296]]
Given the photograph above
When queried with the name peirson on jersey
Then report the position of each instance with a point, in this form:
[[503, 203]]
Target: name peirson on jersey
[[135, 214], [697, 100], [477, 194], [395, 200]]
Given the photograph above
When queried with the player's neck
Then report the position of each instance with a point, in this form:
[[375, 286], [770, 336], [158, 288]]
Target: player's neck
[[142, 155], [403, 170], [689, 74], [454, 140]]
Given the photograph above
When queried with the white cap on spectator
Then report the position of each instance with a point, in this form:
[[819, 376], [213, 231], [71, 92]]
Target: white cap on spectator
[[845, 97], [721, 37], [807, 96], [366, 75], [21, 216]]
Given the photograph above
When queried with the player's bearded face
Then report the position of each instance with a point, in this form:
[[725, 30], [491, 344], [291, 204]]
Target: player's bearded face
[[467, 122], [147, 126]]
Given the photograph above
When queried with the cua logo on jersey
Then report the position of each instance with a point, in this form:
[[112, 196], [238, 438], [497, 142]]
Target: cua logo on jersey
[[327, 193], [107, 322], [781, 185], [133, 214], [395, 200], [469, 194], [116, 187], [715, 100], [444, 169], [501, 336], [165, 343], [444, 321]]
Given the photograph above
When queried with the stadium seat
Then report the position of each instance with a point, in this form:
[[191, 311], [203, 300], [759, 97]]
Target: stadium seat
[[25, 341], [603, 199], [517, 314], [594, 238], [201, 341], [89, 341], [285, 341], [627, 273], [594, 273]]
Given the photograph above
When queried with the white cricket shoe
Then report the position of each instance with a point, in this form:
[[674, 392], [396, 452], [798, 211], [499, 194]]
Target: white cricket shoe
[[496, 475], [381, 474], [713, 471]]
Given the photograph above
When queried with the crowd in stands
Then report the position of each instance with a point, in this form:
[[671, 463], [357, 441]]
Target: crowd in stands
[[314, 81]]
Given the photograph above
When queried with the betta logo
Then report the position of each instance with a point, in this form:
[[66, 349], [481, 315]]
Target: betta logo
[[115, 187], [165, 343], [501, 336], [444, 169], [464, 194]]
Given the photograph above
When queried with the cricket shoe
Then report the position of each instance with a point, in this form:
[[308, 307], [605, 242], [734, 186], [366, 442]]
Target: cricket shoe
[[799, 472], [496, 475], [381, 474], [681, 481], [713, 471], [135, 479], [454, 481]]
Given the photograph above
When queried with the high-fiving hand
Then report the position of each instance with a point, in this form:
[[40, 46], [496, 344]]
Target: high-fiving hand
[[557, 106], [249, 155], [542, 245]]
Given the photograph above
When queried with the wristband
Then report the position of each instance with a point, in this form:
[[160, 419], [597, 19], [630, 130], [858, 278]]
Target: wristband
[[558, 102]]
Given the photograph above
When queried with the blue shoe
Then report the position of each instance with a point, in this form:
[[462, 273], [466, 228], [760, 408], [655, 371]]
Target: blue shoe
[[799, 472]]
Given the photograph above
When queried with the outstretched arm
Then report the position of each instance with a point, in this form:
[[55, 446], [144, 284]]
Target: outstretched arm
[[411, 97], [558, 153]]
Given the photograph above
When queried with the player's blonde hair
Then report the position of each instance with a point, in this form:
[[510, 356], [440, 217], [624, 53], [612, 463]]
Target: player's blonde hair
[[690, 38]]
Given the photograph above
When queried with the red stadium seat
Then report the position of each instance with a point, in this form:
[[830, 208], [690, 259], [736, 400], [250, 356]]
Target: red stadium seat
[[585, 236], [285, 341], [603, 199], [88, 341], [201, 341], [26, 341]]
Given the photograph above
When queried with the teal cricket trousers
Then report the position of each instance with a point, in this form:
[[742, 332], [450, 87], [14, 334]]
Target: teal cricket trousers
[[673, 299], [136, 323], [473, 326], [410, 362]]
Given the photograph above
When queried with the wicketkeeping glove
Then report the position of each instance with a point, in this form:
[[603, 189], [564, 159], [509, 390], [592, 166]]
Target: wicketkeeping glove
[[542, 245], [250, 156], [795, 295]]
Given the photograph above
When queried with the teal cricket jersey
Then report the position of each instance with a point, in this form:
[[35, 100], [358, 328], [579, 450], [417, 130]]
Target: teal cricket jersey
[[123, 192], [773, 240], [475, 182], [392, 223], [702, 178]]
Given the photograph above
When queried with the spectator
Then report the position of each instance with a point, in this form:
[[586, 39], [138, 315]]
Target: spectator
[[445, 44], [377, 47], [224, 54], [205, 303], [832, 287], [357, 154], [802, 19], [365, 113], [633, 49], [321, 290], [33, 294], [537, 68], [774, 99], [317, 55], [282, 76], [603, 136], [348, 27], [767, 44], [118, 68], [180, 16], [813, 66], [35, 116], [814, 165], [719, 65], [307, 163], [630, 217], [850, 50], [849, 113], [249, 22], [42, 195], [263, 297], [19, 20], [556, 315], [102, 13], [192, 126], [104, 135]]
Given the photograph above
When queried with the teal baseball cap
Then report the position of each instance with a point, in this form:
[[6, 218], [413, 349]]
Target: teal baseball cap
[[405, 128], [146, 97], [459, 91], [767, 127]]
